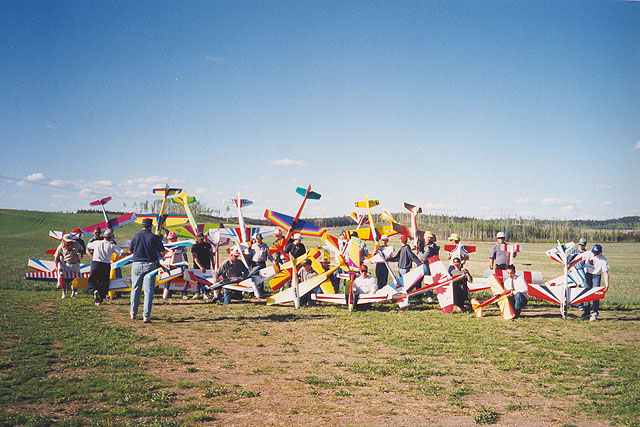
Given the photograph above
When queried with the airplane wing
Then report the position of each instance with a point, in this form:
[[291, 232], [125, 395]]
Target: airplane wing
[[285, 221], [113, 223], [495, 283], [376, 258], [180, 244], [305, 287], [528, 276], [51, 276], [365, 233], [185, 231], [342, 298], [467, 249], [46, 266], [283, 274], [554, 294], [196, 275], [170, 220]]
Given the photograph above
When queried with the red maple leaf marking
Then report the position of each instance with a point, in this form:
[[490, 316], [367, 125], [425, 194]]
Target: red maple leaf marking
[[441, 290], [437, 277]]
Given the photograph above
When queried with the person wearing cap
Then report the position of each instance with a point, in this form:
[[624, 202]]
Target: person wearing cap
[[517, 285], [405, 257], [382, 272], [258, 255], [67, 260], [581, 249], [202, 253], [425, 251], [498, 257], [459, 250], [333, 278], [96, 234], [306, 273], [596, 268], [101, 250], [147, 249], [172, 257], [460, 289], [295, 248], [364, 284], [232, 269], [279, 243]]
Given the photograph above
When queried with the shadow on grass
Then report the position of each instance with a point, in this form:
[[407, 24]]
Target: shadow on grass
[[269, 318]]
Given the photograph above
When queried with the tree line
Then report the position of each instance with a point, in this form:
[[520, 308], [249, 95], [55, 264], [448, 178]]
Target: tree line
[[626, 229]]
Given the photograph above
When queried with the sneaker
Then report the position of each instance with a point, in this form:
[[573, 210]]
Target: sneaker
[[429, 299], [185, 297], [146, 319], [584, 316], [64, 294], [196, 296], [73, 294], [96, 297], [133, 316], [594, 316]]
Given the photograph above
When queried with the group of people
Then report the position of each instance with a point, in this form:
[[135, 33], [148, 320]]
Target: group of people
[[148, 251]]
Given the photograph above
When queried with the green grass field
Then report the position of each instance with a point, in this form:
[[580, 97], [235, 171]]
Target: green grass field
[[69, 362]]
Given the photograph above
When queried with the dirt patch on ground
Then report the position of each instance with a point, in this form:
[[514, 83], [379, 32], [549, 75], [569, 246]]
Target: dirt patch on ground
[[248, 364]]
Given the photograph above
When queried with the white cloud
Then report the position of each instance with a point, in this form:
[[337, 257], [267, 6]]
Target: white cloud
[[434, 206], [87, 192], [22, 184], [567, 209], [553, 201], [56, 183], [637, 145], [38, 176], [608, 203], [288, 162], [604, 187]]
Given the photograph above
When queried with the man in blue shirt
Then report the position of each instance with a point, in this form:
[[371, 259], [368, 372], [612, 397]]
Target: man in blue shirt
[[147, 249]]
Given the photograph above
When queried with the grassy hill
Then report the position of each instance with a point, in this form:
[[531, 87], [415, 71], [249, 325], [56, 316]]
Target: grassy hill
[[68, 362]]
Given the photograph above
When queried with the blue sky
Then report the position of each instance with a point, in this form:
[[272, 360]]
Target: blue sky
[[484, 109]]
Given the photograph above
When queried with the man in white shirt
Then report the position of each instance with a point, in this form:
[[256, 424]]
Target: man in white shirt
[[365, 284], [596, 267], [102, 250], [518, 286]]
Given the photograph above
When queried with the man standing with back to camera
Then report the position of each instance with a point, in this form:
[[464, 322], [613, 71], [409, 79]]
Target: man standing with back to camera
[[147, 249]]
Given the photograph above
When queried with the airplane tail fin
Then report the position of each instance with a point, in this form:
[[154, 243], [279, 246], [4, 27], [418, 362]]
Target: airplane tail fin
[[367, 204], [412, 208], [312, 194], [386, 216], [100, 202], [170, 192], [477, 307]]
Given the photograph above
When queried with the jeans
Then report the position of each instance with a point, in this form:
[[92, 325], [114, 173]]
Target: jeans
[[519, 302], [592, 281], [382, 275], [140, 278]]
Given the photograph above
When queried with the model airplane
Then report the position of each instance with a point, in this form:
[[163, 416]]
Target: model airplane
[[560, 292], [241, 234], [414, 210], [111, 223], [499, 296]]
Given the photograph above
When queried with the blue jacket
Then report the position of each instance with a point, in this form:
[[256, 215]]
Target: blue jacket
[[146, 246]]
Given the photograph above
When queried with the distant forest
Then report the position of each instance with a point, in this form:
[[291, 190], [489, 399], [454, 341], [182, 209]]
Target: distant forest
[[626, 229]]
